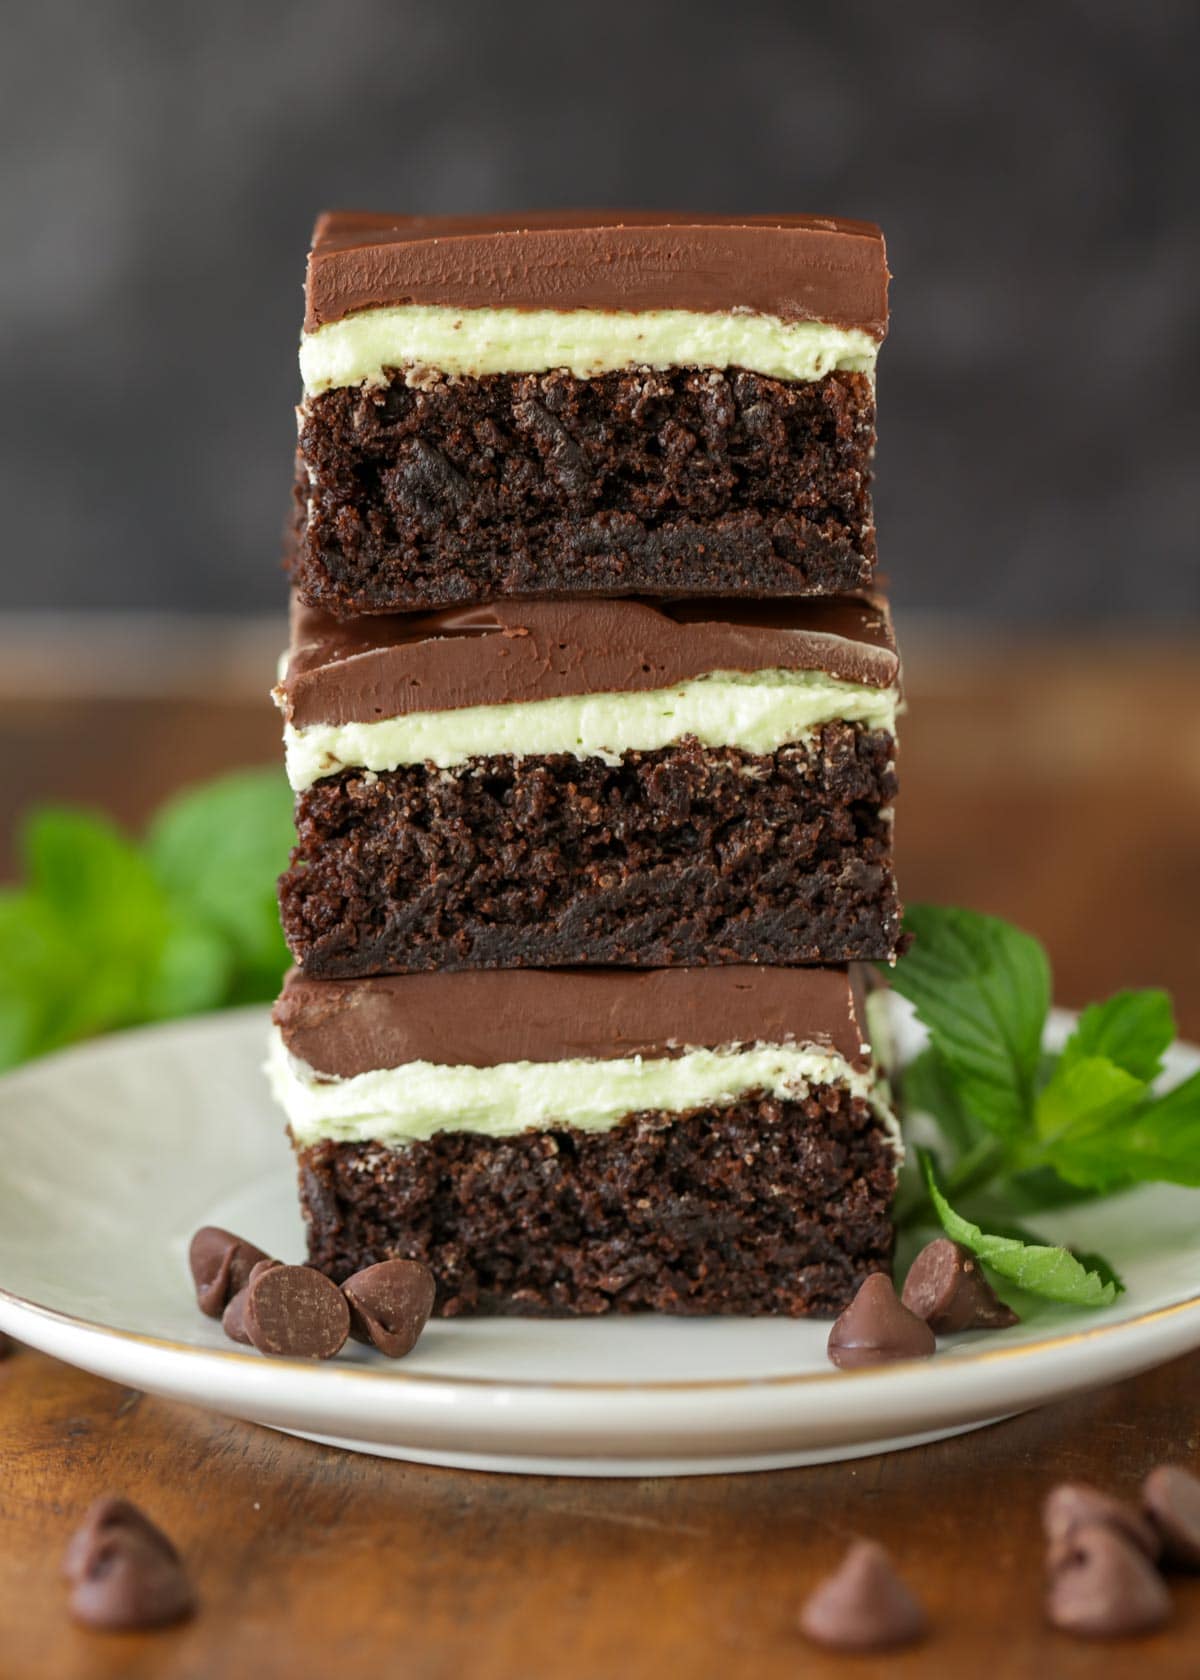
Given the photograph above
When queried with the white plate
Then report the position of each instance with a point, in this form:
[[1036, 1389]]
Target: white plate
[[113, 1153]]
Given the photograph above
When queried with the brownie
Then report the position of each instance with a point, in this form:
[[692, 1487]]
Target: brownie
[[582, 402], [684, 481], [686, 856], [765, 1206]]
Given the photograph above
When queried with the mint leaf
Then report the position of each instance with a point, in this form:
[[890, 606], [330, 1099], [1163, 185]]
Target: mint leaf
[[1104, 1270], [1103, 1129], [1084, 1096], [1159, 1142], [1052, 1273], [108, 934], [982, 988], [35, 955], [194, 971], [217, 851], [99, 920], [926, 1087], [1131, 1029], [1040, 1189]]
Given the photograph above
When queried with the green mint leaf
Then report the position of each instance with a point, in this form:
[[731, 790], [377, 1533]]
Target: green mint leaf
[[1159, 1143], [1041, 1189], [926, 1087], [1104, 1269], [84, 867], [218, 850], [98, 909], [1101, 1127], [194, 971], [1052, 1273], [1085, 1096], [982, 989], [1131, 1029], [35, 954]]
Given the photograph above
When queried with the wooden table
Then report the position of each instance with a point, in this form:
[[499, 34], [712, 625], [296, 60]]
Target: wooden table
[[1057, 787]]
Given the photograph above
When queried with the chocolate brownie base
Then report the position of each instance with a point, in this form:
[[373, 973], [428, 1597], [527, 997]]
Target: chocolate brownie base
[[686, 482], [761, 1207], [685, 856]]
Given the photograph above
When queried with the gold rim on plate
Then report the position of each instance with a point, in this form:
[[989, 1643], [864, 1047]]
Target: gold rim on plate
[[984, 1356]]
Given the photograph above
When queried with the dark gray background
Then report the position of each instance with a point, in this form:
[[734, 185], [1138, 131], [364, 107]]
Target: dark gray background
[[1034, 167]]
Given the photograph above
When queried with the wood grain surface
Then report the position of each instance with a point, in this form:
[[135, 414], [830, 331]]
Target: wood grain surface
[[1060, 787]]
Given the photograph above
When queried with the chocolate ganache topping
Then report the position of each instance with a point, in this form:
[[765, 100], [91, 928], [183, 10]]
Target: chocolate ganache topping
[[359, 670], [798, 268], [479, 1018]]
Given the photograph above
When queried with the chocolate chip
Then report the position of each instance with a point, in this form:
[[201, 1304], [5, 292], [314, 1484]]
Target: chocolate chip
[[221, 1264], [876, 1327], [1075, 1505], [1171, 1497], [390, 1304], [124, 1572], [946, 1287], [294, 1310], [102, 1519], [233, 1319], [1104, 1587], [865, 1606]]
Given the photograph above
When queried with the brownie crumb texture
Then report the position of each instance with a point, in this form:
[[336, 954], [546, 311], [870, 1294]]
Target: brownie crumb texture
[[686, 856], [766, 1206], [678, 482]]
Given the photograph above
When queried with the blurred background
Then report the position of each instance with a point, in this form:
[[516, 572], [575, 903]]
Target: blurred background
[[1034, 168]]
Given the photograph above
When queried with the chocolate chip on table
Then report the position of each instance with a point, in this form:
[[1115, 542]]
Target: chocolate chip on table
[[124, 1572], [390, 1304], [1171, 1500], [221, 1264], [1075, 1505], [296, 1311], [946, 1287], [864, 1606], [876, 1327], [1103, 1586], [233, 1319], [103, 1518]]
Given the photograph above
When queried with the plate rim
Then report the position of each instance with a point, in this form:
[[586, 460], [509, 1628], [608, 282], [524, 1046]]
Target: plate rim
[[967, 1360]]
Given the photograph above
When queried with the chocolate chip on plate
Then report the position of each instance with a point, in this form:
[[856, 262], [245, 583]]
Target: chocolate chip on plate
[[1171, 1499], [864, 1606], [221, 1264], [390, 1304], [876, 1327], [946, 1287], [1103, 1586], [124, 1572], [233, 1319], [1074, 1505], [296, 1311]]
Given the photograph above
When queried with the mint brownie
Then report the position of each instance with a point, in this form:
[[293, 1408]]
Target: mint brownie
[[547, 784], [580, 403], [685, 1141]]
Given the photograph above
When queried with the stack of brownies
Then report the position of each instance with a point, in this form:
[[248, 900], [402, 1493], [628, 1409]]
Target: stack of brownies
[[589, 711]]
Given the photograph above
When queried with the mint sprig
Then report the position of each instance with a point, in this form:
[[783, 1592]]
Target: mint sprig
[[983, 990], [1023, 1132], [1049, 1271], [108, 933]]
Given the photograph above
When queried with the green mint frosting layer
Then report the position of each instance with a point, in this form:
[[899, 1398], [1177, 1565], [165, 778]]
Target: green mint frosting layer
[[408, 1103], [586, 342], [758, 712]]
